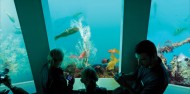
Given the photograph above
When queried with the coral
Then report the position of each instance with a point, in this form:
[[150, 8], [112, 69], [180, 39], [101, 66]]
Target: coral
[[179, 67], [13, 54], [170, 48], [85, 44]]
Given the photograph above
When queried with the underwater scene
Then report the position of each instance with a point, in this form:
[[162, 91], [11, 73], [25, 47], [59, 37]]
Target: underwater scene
[[88, 32], [13, 56], [169, 29]]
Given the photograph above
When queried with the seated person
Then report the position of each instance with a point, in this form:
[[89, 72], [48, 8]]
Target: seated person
[[151, 76], [89, 78], [14, 89], [57, 83]]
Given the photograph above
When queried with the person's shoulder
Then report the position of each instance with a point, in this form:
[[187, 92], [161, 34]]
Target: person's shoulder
[[18, 90]]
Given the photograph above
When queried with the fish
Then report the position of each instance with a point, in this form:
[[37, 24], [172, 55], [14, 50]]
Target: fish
[[67, 32], [179, 31], [113, 51], [77, 14], [11, 18], [73, 56], [82, 55], [112, 62], [168, 41], [105, 60], [64, 22]]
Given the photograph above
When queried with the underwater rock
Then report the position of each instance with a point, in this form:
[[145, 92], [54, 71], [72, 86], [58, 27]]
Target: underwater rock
[[99, 69], [179, 66], [170, 48]]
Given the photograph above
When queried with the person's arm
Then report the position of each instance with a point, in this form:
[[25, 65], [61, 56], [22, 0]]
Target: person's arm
[[70, 85], [18, 90], [14, 89], [126, 81], [154, 87], [122, 78], [4, 91]]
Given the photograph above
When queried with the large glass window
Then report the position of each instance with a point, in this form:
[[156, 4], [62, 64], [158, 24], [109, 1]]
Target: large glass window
[[13, 56], [88, 31], [169, 29]]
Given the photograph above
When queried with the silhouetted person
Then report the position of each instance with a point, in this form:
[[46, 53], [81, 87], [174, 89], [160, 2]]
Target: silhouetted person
[[150, 77], [57, 83], [89, 78], [14, 89]]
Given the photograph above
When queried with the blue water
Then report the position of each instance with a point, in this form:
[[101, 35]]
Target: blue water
[[103, 18], [165, 17], [13, 54]]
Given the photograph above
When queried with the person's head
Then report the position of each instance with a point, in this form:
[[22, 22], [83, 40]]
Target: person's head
[[146, 53], [89, 77], [55, 57]]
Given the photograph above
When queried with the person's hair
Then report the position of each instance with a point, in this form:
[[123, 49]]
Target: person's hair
[[89, 78], [55, 56], [147, 47]]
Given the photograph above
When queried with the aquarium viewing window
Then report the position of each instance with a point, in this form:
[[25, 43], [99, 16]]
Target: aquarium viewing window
[[169, 29], [87, 36], [13, 55]]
